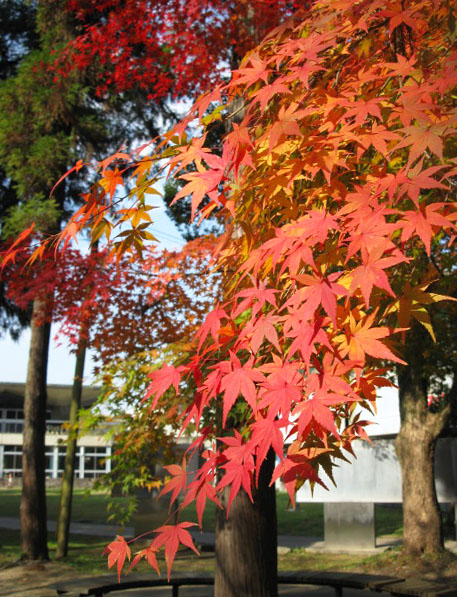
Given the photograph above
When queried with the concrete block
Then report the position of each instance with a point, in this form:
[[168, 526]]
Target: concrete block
[[349, 525]]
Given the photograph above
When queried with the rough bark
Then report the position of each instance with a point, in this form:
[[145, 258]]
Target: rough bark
[[66, 492], [33, 500], [415, 446], [246, 542]]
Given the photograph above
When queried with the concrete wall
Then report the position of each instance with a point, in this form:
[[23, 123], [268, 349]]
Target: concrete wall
[[374, 476]]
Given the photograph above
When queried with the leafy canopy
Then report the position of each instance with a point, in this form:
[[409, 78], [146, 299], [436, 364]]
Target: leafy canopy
[[339, 174]]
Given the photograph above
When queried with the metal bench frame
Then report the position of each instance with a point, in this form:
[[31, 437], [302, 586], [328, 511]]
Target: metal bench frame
[[102, 585]]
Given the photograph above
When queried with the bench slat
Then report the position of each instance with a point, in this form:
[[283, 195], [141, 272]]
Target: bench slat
[[421, 588]]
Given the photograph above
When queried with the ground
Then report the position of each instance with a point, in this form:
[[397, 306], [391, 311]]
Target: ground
[[31, 579], [85, 557]]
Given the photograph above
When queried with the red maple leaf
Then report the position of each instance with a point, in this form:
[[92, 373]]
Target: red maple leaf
[[200, 490], [315, 410], [404, 67], [266, 433], [238, 462], [306, 336], [293, 468], [264, 94], [171, 536], [422, 221], [178, 482], [285, 125], [420, 138], [212, 324], [361, 339], [263, 327], [255, 297], [371, 272], [278, 396], [315, 226], [117, 551], [149, 553], [201, 183], [240, 381], [258, 71], [361, 109], [317, 290], [162, 379]]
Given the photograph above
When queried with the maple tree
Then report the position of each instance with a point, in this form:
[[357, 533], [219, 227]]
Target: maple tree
[[341, 167]]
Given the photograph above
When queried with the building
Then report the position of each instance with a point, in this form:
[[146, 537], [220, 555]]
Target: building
[[93, 452]]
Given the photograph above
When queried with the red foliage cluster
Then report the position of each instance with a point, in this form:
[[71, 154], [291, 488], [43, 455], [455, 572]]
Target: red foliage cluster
[[163, 47], [123, 307]]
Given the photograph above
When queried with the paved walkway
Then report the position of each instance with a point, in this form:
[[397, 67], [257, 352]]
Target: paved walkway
[[78, 528], [207, 539], [285, 542]]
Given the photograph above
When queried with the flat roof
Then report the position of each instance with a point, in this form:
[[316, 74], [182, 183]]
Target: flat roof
[[58, 394]]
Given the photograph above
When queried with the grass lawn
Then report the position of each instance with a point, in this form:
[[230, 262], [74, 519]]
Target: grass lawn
[[85, 552], [307, 519], [85, 507]]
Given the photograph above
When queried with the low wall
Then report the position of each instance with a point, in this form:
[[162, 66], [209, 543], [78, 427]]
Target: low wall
[[375, 475], [16, 482]]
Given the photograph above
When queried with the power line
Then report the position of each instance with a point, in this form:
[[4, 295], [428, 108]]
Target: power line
[[169, 236]]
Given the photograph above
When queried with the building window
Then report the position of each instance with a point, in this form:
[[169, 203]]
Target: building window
[[49, 459], [90, 462], [12, 420], [62, 452], [95, 461], [12, 461]]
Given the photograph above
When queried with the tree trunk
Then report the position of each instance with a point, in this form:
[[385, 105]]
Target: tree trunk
[[33, 500], [246, 542], [415, 446], [66, 492]]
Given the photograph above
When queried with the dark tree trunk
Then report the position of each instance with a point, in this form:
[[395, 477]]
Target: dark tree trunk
[[66, 492], [33, 500], [246, 542], [415, 446]]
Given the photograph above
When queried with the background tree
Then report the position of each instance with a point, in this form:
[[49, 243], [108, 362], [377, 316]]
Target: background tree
[[17, 38], [427, 393], [140, 47], [44, 123], [144, 306]]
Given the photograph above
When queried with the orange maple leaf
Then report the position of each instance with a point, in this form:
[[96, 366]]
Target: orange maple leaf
[[362, 339]]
